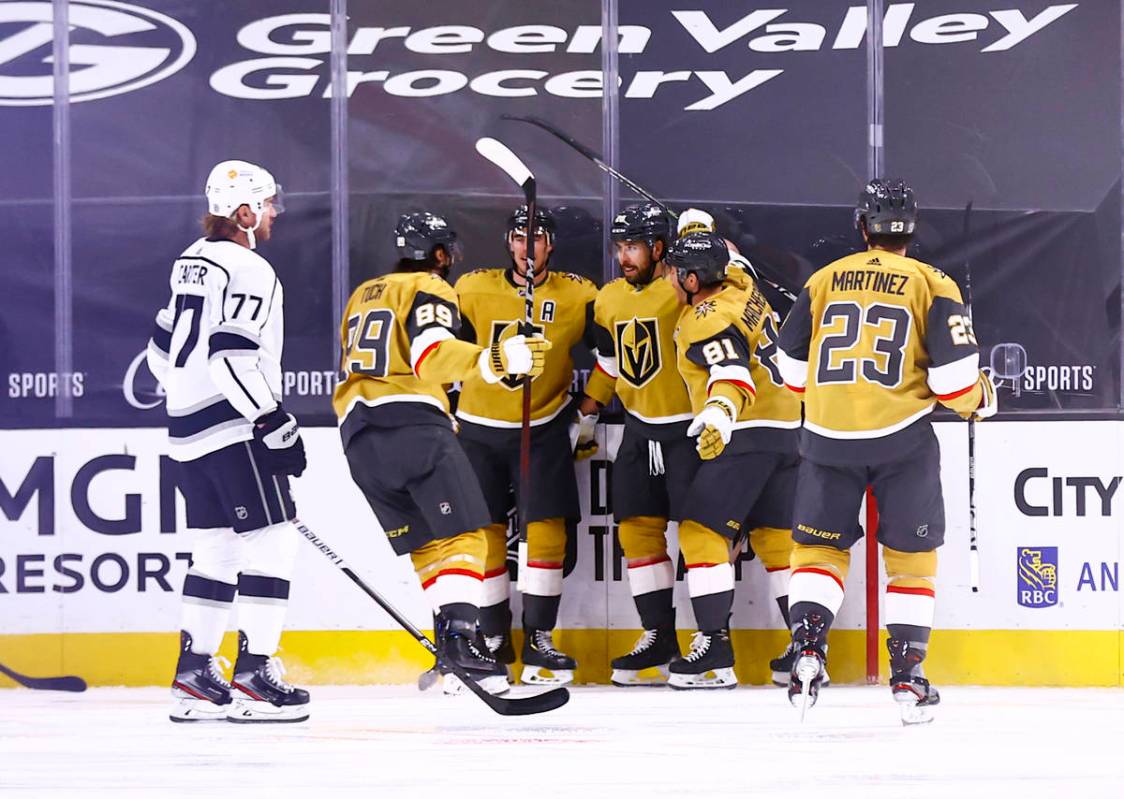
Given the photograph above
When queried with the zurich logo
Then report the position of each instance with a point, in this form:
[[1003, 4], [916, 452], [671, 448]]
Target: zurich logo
[[114, 48]]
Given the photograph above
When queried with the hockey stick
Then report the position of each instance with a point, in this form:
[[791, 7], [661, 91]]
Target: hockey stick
[[499, 154], [71, 684], [539, 703], [973, 549], [647, 195]]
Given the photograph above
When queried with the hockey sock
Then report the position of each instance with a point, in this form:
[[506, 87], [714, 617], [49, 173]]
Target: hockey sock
[[451, 570], [540, 612], [818, 573], [206, 608], [651, 574], [495, 609], [910, 593], [263, 586], [773, 546], [210, 586], [542, 584], [262, 603], [710, 575]]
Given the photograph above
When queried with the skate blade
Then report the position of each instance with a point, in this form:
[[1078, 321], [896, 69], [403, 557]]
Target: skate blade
[[187, 709], [195, 711], [496, 685], [911, 712], [249, 711], [537, 675], [717, 678], [654, 677], [805, 695]]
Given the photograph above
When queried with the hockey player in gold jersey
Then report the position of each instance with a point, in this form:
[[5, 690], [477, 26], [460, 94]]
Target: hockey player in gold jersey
[[745, 425], [635, 319], [873, 343], [490, 415], [399, 349]]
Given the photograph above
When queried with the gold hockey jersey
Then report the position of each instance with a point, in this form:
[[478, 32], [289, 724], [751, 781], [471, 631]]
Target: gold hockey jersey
[[634, 327], [873, 342], [399, 349], [731, 338], [563, 312]]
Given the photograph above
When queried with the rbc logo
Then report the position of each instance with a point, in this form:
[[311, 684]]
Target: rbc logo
[[1038, 577]]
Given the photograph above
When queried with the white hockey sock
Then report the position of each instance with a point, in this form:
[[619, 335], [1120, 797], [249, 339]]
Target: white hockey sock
[[205, 611], [262, 604]]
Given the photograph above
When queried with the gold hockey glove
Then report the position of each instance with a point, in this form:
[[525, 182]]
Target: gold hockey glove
[[714, 425], [513, 354]]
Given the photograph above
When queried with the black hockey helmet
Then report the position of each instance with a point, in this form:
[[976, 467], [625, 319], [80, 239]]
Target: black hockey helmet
[[417, 235], [703, 253], [887, 206], [544, 223], [646, 222]]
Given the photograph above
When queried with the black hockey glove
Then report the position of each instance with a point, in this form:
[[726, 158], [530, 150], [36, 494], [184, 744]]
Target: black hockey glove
[[280, 444]]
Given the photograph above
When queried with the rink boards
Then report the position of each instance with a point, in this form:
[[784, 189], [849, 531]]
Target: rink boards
[[92, 555]]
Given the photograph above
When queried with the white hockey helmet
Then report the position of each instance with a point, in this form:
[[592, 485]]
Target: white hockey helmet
[[694, 220], [233, 184]]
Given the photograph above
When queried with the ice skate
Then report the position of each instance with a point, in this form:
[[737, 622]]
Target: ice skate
[[781, 666], [916, 698], [460, 644], [709, 664], [808, 669], [542, 663], [200, 692], [500, 647], [263, 695], [654, 650]]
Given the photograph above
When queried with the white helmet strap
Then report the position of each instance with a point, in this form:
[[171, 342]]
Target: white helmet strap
[[249, 231]]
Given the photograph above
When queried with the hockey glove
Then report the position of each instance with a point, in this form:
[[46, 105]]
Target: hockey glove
[[513, 354], [582, 432], [279, 443], [714, 425], [989, 402]]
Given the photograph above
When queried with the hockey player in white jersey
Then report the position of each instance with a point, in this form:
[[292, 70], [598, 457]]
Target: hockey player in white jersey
[[216, 349]]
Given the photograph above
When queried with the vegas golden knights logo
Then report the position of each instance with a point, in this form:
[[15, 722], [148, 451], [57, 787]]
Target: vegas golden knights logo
[[638, 350], [498, 327]]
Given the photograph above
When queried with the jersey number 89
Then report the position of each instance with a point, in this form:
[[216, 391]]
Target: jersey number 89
[[368, 343]]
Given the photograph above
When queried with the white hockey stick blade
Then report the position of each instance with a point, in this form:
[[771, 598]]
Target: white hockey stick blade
[[499, 154]]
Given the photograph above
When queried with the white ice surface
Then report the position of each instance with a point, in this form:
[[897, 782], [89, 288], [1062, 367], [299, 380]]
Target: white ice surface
[[393, 741]]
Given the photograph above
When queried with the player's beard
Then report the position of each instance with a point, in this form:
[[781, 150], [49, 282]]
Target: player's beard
[[643, 275]]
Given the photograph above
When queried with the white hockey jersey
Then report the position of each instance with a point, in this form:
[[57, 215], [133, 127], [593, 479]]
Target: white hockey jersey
[[216, 347]]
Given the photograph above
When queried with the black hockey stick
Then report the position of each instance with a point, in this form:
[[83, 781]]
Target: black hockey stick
[[592, 156], [973, 549], [539, 703], [71, 684], [636, 187], [499, 154]]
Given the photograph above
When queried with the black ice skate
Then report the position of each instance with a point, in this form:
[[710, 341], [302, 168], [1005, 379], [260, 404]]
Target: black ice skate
[[542, 663], [200, 692], [709, 664], [808, 665], [916, 698], [655, 650], [500, 647], [781, 667], [460, 644], [263, 695]]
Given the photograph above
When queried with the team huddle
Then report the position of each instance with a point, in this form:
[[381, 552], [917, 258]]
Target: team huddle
[[742, 430]]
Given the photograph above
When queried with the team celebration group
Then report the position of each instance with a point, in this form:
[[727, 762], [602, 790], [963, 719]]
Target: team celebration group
[[745, 430]]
